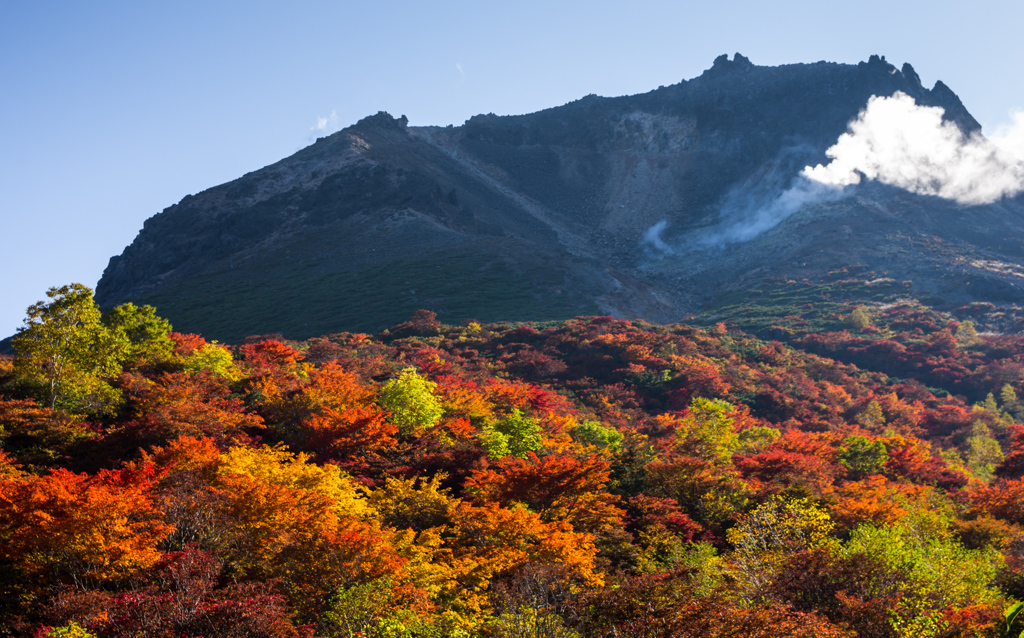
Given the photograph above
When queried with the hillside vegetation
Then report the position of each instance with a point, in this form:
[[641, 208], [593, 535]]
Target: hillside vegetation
[[851, 471]]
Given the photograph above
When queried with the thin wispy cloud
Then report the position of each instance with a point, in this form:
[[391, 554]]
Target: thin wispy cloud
[[462, 74], [326, 124]]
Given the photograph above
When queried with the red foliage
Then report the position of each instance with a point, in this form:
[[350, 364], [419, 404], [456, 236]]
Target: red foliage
[[555, 487], [646, 511], [910, 461], [1003, 499], [271, 356], [1012, 466], [197, 405], [186, 344], [183, 599], [343, 419], [778, 471]]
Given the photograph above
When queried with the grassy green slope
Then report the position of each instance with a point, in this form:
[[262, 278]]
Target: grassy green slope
[[307, 302]]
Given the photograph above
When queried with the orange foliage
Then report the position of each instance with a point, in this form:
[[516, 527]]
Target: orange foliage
[[514, 395], [555, 487], [263, 520], [699, 377], [904, 416], [21, 415], [874, 499], [668, 604], [197, 405], [778, 471], [459, 428], [835, 395], [184, 454], [490, 540], [8, 468], [824, 445], [344, 419], [273, 367], [276, 522], [1002, 499], [186, 344], [39, 436], [271, 355], [80, 528], [462, 397]]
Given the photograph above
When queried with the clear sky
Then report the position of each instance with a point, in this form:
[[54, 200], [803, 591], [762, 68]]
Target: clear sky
[[112, 111]]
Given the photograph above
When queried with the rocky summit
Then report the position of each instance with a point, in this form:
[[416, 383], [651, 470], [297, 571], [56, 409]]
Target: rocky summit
[[601, 206]]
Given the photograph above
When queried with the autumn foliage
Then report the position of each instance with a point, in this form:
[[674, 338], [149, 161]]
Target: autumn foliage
[[597, 477]]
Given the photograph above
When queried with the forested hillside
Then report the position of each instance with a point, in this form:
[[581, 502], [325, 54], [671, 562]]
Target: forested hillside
[[861, 476]]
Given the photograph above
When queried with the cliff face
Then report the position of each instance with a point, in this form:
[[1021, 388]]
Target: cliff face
[[544, 216]]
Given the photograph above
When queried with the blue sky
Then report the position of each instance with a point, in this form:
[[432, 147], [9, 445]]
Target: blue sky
[[113, 111]]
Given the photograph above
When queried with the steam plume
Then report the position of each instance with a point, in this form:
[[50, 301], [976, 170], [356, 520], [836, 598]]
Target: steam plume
[[653, 237], [894, 141], [803, 191], [897, 142], [1010, 137]]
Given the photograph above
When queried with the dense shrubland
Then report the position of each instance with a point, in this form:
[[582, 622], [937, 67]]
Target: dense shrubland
[[595, 477]]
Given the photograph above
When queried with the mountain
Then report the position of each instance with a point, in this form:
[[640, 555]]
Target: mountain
[[601, 206]]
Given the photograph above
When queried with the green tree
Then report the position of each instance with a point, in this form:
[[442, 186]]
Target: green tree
[[411, 401], [933, 571], [1010, 626], [140, 331], [65, 348], [858, 319], [214, 358], [983, 451], [494, 442], [757, 439], [515, 435], [593, 433], [1011, 403], [862, 456], [707, 430]]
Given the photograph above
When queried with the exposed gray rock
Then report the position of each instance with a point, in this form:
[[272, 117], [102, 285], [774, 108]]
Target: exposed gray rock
[[570, 190]]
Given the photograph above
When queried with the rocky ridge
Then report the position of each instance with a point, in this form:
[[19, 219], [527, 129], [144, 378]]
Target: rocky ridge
[[544, 216]]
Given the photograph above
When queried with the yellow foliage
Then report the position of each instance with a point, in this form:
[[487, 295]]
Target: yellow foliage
[[277, 466], [8, 468], [781, 524], [837, 394], [415, 504], [764, 537]]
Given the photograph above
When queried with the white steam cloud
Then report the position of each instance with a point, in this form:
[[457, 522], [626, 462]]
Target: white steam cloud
[[893, 141], [1010, 137], [896, 142], [803, 191], [653, 237]]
